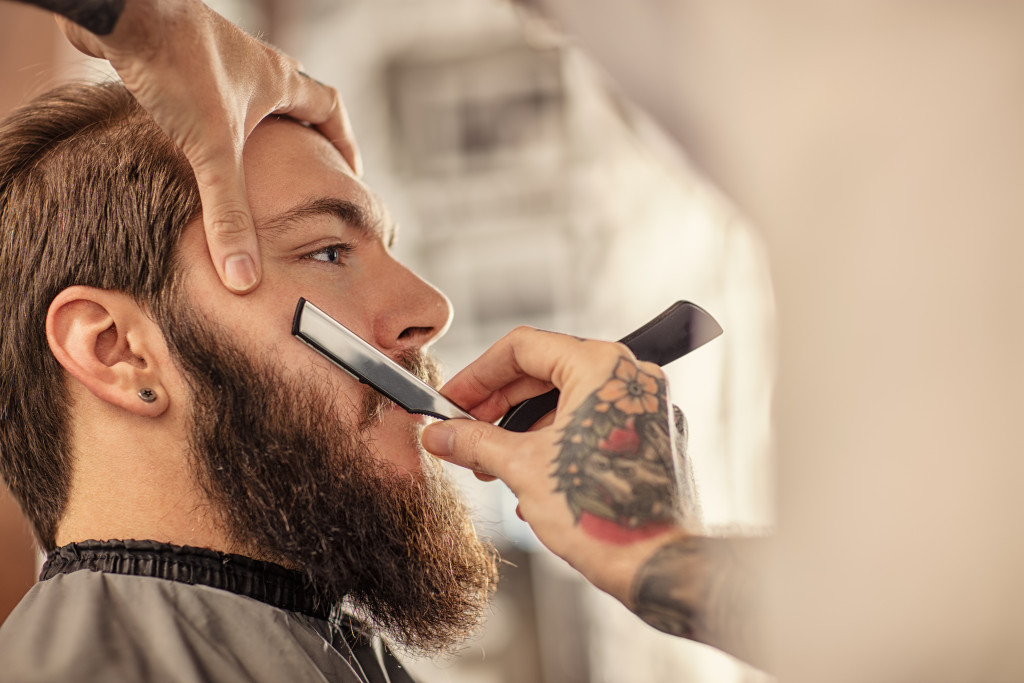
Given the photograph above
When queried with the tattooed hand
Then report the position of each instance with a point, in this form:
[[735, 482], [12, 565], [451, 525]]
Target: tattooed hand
[[602, 482], [614, 461]]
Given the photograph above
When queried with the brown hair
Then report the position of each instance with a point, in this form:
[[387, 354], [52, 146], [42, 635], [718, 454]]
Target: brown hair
[[92, 193]]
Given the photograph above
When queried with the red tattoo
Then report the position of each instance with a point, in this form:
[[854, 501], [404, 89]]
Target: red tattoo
[[615, 462], [614, 532]]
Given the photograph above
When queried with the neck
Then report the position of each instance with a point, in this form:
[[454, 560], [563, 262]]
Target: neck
[[132, 480]]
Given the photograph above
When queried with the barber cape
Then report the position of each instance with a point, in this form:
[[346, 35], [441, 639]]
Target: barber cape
[[146, 611]]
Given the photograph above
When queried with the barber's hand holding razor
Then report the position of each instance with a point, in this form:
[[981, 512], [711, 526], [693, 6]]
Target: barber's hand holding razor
[[599, 481], [605, 483], [208, 84]]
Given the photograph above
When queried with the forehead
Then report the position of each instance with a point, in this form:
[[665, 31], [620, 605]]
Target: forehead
[[289, 166]]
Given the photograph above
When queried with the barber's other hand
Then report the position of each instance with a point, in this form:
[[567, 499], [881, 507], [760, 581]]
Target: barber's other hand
[[208, 84], [599, 484]]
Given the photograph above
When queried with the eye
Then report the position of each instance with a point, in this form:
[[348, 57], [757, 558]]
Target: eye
[[333, 254]]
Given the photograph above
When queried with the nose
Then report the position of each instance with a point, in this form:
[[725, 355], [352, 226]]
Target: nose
[[417, 313]]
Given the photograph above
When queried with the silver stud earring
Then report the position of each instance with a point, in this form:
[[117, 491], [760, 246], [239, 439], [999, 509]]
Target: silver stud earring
[[147, 395]]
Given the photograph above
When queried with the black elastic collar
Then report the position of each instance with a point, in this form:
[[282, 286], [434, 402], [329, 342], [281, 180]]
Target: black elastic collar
[[263, 581]]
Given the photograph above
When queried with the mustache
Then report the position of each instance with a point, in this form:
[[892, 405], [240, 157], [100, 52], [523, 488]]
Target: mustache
[[424, 366]]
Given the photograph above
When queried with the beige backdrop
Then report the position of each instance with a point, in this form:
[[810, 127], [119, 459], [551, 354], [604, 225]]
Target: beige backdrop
[[879, 145]]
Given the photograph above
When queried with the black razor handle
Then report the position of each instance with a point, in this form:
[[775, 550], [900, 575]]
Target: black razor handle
[[683, 327]]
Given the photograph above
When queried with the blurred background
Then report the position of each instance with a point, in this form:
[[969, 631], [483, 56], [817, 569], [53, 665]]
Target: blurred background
[[530, 192], [875, 149]]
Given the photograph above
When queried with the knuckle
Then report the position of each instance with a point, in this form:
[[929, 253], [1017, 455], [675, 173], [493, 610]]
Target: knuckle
[[229, 222], [623, 351], [337, 111], [654, 370], [520, 332], [283, 62], [608, 353], [280, 67], [530, 457], [472, 447]]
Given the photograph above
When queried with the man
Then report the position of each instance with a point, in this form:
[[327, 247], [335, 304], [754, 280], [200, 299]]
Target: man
[[147, 407], [637, 548], [210, 492]]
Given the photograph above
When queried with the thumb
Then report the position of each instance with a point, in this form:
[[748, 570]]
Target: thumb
[[230, 233], [477, 445]]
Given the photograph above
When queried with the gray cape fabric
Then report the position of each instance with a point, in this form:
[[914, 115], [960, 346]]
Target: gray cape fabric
[[97, 626]]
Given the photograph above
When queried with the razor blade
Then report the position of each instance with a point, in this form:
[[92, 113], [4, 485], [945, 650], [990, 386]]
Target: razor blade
[[348, 351]]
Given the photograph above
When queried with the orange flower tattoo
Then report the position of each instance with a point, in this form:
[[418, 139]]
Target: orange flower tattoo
[[632, 390], [614, 463]]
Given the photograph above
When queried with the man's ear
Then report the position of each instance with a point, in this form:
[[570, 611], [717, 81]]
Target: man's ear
[[108, 343]]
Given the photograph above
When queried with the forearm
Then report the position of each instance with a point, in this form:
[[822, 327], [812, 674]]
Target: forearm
[[98, 16], [703, 589]]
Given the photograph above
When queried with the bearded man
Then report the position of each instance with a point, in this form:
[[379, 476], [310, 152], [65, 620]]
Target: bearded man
[[228, 489], [216, 500]]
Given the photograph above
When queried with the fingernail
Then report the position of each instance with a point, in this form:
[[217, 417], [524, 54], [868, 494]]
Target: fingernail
[[437, 439], [240, 272]]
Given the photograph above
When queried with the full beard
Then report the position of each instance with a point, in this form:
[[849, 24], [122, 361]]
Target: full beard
[[293, 484]]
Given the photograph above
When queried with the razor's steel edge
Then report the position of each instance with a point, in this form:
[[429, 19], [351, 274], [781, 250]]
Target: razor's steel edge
[[347, 350]]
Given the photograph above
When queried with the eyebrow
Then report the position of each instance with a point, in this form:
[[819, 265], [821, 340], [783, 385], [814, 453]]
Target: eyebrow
[[352, 214]]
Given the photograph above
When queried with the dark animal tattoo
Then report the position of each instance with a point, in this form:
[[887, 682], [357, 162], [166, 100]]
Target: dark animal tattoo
[[614, 463]]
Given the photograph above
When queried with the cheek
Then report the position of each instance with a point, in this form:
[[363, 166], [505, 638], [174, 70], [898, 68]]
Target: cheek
[[261, 318], [338, 395], [259, 324]]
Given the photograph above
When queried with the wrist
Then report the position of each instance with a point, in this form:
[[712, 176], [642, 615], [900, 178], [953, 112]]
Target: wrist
[[614, 569]]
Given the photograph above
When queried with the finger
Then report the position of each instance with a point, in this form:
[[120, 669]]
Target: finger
[[338, 129], [496, 404], [321, 106], [496, 369], [527, 352], [484, 477], [230, 233], [478, 446]]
